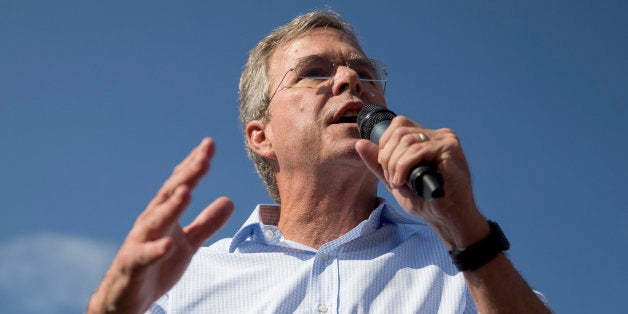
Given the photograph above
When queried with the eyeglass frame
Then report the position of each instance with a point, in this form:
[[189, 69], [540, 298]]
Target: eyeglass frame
[[380, 65]]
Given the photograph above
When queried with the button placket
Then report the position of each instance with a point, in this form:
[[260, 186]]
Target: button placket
[[269, 234], [324, 256], [322, 308], [325, 281]]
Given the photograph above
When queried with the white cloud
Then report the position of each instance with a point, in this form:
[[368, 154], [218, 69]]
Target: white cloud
[[51, 273]]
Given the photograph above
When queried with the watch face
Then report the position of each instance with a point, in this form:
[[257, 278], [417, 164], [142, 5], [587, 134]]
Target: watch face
[[481, 252], [499, 235]]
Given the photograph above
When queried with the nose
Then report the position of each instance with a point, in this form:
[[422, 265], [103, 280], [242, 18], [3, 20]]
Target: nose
[[346, 79]]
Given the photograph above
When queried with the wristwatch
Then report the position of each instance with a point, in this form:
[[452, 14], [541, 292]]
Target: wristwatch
[[481, 252]]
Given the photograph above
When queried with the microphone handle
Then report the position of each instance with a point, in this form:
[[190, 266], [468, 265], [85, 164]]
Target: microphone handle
[[423, 180], [426, 182]]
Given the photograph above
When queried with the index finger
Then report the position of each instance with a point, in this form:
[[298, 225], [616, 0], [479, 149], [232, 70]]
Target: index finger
[[188, 172]]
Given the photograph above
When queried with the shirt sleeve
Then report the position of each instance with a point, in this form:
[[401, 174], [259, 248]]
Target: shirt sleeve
[[160, 306], [469, 307]]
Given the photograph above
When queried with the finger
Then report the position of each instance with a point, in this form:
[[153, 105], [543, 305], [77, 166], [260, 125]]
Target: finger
[[390, 148], [150, 252], [410, 152], [401, 149], [193, 167], [134, 257], [212, 218], [397, 122], [152, 224], [383, 155], [188, 172], [389, 142], [368, 151]]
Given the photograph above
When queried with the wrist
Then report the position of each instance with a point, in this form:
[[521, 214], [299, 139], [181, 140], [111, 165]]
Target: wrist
[[95, 305], [463, 232], [481, 252], [99, 301]]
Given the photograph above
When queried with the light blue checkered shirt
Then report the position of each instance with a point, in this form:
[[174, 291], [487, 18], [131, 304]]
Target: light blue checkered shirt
[[389, 263]]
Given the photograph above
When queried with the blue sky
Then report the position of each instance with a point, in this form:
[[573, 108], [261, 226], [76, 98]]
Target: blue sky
[[99, 100]]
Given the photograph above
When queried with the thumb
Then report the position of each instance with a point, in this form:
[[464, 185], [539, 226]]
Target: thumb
[[212, 218], [368, 151]]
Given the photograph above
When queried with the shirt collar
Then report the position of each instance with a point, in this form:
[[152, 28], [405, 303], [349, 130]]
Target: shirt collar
[[266, 215]]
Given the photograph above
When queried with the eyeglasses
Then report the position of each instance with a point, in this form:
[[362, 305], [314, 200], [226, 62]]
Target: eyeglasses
[[314, 71]]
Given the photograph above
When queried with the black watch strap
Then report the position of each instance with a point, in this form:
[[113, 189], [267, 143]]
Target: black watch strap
[[481, 252]]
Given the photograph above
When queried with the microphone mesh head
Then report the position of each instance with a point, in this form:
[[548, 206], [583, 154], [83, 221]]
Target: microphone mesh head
[[369, 116]]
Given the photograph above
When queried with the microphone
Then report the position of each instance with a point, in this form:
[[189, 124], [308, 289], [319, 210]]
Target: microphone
[[423, 180]]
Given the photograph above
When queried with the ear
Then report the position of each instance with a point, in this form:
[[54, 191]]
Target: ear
[[258, 140]]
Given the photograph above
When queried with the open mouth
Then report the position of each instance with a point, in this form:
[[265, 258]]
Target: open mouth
[[348, 119], [349, 116]]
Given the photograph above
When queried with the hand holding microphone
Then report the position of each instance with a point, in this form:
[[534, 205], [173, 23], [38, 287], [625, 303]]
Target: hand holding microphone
[[424, 180]]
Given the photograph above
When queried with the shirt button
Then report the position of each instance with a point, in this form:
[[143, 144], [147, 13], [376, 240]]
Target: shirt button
[[322, 308], [269, 234], [324, 256]]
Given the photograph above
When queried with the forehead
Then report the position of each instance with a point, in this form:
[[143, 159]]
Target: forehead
[[327, 42]]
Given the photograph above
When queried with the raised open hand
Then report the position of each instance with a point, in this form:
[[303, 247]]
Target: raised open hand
[[157, 250]]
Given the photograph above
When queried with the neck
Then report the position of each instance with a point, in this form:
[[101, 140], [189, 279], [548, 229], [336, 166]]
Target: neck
[[318, 209]]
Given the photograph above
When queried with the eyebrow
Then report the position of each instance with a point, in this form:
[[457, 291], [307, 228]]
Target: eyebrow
[[306, 59], [356, 55], [353, 56]]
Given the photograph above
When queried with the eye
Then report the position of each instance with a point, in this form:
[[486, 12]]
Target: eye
[[314, 71], [365, 69], [367, 74], [315, 68]]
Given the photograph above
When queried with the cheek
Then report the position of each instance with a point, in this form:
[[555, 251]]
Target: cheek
[[377, 98], [295, 113], [290, 125]]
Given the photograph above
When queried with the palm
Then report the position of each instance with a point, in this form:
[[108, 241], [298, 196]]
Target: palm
[[158, 250]]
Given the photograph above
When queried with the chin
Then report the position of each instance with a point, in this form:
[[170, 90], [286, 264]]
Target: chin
[[349, 153]]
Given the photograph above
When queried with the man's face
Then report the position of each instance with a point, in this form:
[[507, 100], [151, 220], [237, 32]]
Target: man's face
[[308, 124]]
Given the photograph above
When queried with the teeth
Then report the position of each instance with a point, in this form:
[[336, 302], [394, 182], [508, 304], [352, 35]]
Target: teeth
[[350, 113]]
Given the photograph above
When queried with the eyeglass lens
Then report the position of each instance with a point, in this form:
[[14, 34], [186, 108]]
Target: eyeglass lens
[[320, 68]]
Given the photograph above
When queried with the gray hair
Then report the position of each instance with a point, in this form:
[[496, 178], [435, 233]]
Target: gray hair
[[255, 84]]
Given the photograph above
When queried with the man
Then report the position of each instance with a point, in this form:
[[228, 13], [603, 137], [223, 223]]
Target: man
[[331, 245]]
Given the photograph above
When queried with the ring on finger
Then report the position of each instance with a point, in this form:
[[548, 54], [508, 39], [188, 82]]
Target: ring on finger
[[423, 137]]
